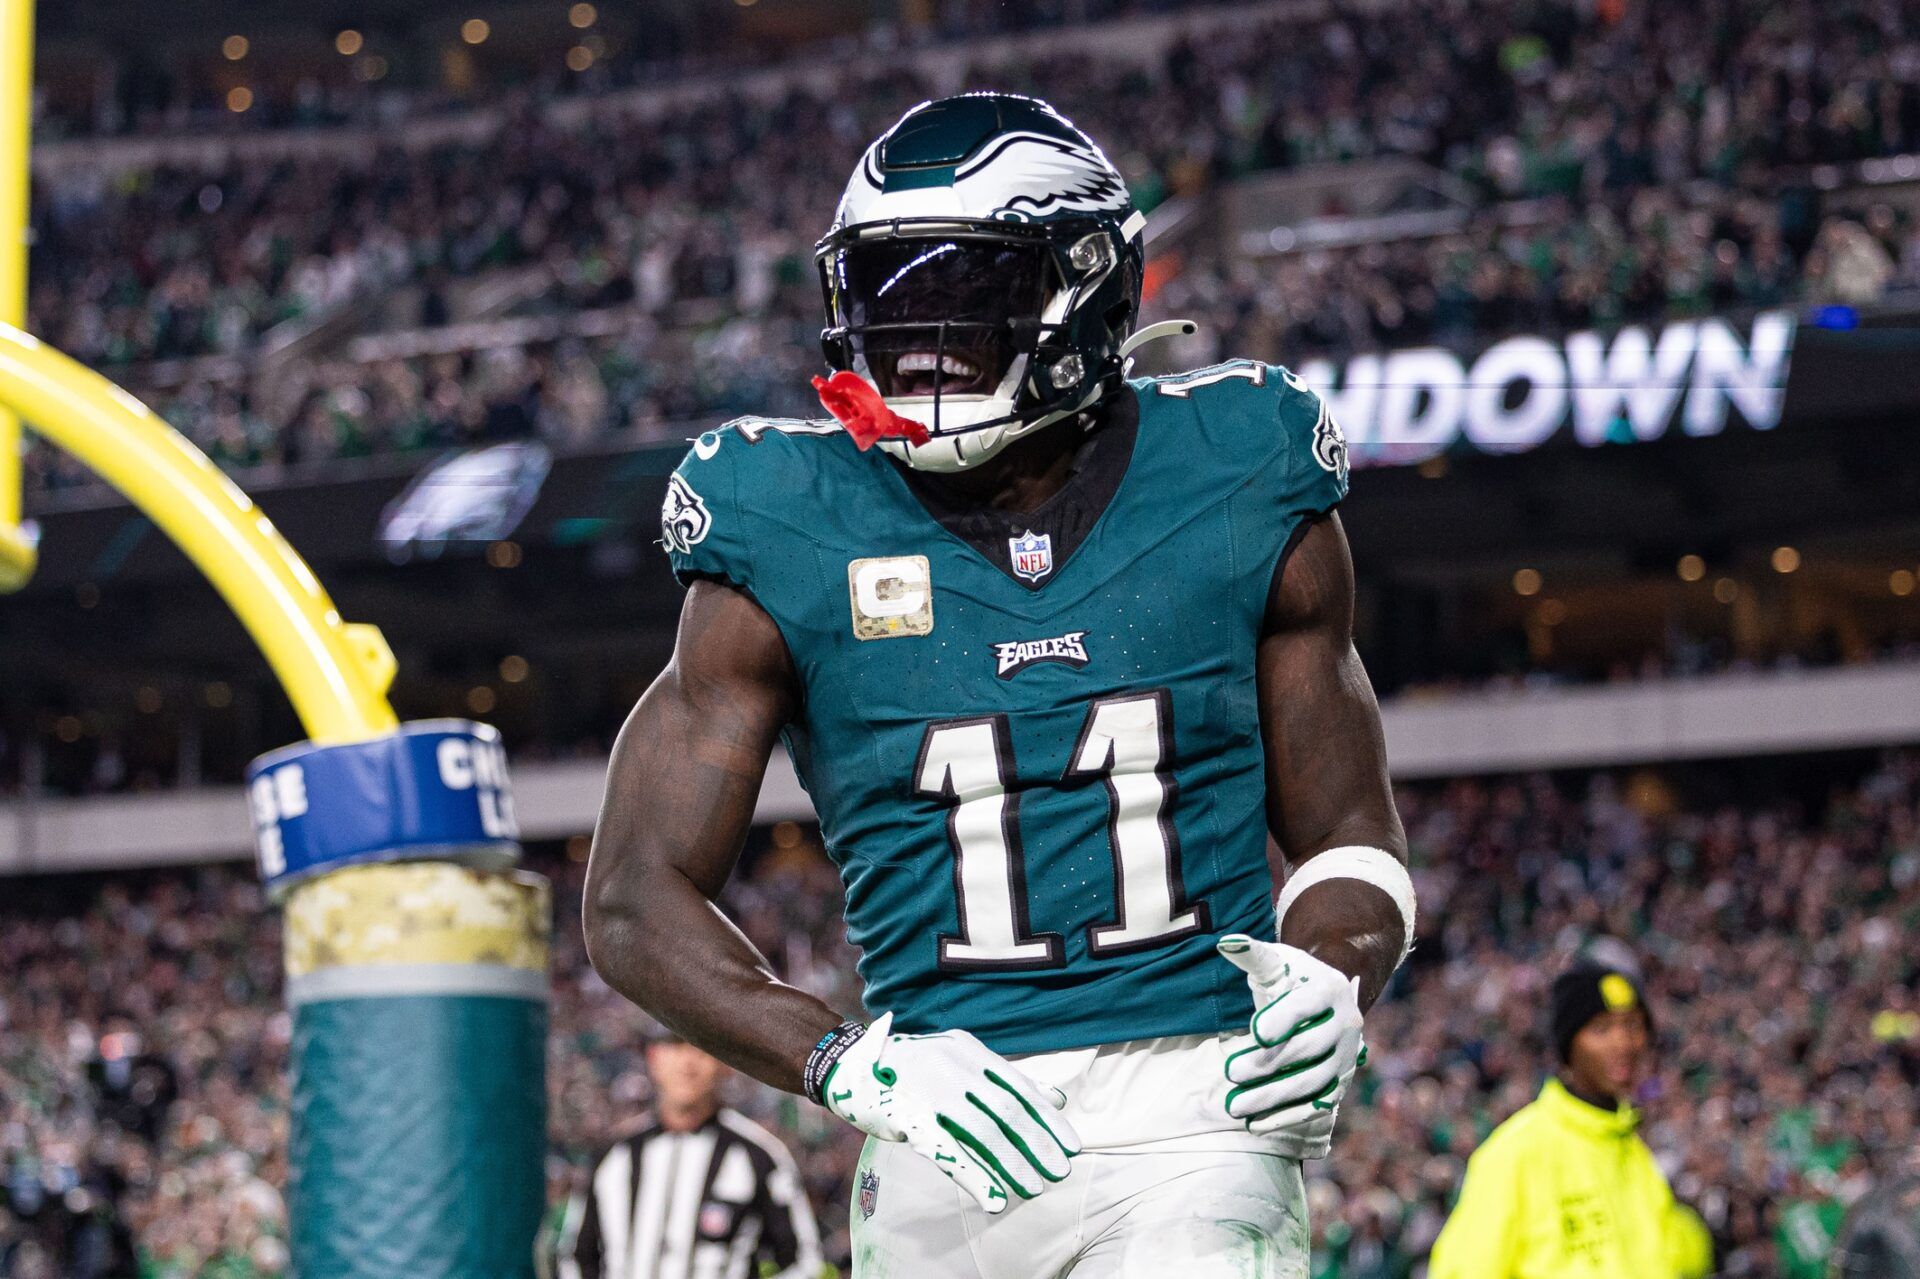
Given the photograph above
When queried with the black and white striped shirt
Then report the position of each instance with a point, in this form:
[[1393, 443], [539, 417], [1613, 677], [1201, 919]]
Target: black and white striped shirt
[[708, 1204]]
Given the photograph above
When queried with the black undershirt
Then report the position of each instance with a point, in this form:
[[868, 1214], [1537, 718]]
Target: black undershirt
[[1069, 515]]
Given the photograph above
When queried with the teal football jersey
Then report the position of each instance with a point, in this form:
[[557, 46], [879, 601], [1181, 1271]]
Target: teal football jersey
[[1044, 788]]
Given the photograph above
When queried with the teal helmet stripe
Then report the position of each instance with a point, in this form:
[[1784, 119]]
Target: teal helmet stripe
[[952, 130], [892, 180]]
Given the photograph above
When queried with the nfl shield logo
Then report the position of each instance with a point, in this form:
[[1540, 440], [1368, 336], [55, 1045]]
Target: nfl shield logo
[[1032, 555], [869, 1194]]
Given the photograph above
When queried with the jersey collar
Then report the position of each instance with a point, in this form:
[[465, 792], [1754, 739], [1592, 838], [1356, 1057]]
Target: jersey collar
[[1068, 517]]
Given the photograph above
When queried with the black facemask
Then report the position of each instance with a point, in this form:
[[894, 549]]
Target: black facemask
[[948, 310]]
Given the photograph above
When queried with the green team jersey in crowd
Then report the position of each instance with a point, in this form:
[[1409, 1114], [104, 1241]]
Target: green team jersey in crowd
[[1033, 741]]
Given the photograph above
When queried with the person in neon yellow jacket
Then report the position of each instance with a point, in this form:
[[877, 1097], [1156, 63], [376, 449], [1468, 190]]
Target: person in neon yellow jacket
[[1565, 1189]]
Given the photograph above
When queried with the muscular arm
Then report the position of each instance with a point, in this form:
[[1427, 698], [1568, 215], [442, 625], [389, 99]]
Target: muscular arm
[[1326, 759], [680, 794]]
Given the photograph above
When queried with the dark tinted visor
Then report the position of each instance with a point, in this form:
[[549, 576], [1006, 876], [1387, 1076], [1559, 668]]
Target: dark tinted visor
[[934, 281]]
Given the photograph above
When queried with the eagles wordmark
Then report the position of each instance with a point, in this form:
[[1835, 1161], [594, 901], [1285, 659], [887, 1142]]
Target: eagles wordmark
[[1015, 656]]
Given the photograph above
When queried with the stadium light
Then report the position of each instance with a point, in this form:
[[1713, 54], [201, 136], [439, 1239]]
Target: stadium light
[[1901, 582], [1785, 559], [239, 99], [1527, 582], [234, 48], [1691, 568], [349, 42], [579, 58], [583, 15], [475, 30]]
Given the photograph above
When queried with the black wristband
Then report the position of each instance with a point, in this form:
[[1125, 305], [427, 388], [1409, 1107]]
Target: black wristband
[[832, 1046]]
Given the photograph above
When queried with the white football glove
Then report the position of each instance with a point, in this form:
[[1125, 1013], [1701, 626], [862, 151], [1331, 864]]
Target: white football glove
[[955, 1101], [1286, 1077]]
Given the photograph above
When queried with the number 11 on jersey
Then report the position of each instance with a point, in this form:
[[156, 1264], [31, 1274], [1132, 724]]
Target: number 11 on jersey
[[1127, 743]]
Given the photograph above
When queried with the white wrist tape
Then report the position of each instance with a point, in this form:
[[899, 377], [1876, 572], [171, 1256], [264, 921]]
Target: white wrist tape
[[1373, 866]]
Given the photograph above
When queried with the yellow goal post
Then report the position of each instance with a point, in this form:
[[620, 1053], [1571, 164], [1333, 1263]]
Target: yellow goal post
[[17, 552]]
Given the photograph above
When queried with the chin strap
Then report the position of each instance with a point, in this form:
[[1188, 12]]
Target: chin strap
[[1153, 333], [857, 406]]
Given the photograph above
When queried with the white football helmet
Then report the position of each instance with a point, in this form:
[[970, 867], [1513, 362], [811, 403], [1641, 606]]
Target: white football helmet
[[983, 273]]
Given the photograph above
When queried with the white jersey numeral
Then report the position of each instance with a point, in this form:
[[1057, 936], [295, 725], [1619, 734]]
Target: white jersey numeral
[[1126, 742], [968, 763]]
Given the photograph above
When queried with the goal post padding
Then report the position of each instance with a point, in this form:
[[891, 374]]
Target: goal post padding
[[419, 1001]]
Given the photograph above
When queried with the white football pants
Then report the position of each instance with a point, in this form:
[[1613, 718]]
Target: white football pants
[[1139, 1214]]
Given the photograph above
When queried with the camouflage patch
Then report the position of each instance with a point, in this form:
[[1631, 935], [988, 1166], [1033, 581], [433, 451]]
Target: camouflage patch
[[418, 913]]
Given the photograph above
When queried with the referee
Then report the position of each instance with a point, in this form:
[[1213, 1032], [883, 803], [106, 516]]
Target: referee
[[698, 1192]]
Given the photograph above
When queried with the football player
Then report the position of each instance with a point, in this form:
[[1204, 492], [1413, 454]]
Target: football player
[[1053, 651]]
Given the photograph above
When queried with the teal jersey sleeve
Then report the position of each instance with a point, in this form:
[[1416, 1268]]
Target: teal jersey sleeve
[[1316, 464], [703, 522], [738, 491], [1258, 425]]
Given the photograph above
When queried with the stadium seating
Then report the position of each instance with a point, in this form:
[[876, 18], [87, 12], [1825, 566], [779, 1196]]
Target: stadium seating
[[1592, 194]]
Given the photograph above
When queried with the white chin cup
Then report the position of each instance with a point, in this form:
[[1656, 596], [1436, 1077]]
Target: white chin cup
[[949, 453], [954, 452]]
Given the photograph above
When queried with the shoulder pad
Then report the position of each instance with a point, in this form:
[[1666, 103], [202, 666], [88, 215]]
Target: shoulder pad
[[1267, 415], [713, 495], [755, 429]]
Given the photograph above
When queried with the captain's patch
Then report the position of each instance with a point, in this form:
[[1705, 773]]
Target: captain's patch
[[892, 595], [1013, 657]]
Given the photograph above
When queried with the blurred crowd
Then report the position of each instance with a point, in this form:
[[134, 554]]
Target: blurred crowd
[[1612, 161], [191, 97], [1640, 257], [143, 1122], [142, 1043]]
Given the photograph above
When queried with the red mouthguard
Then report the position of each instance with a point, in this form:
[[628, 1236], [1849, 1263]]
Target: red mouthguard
[[858, 407]]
